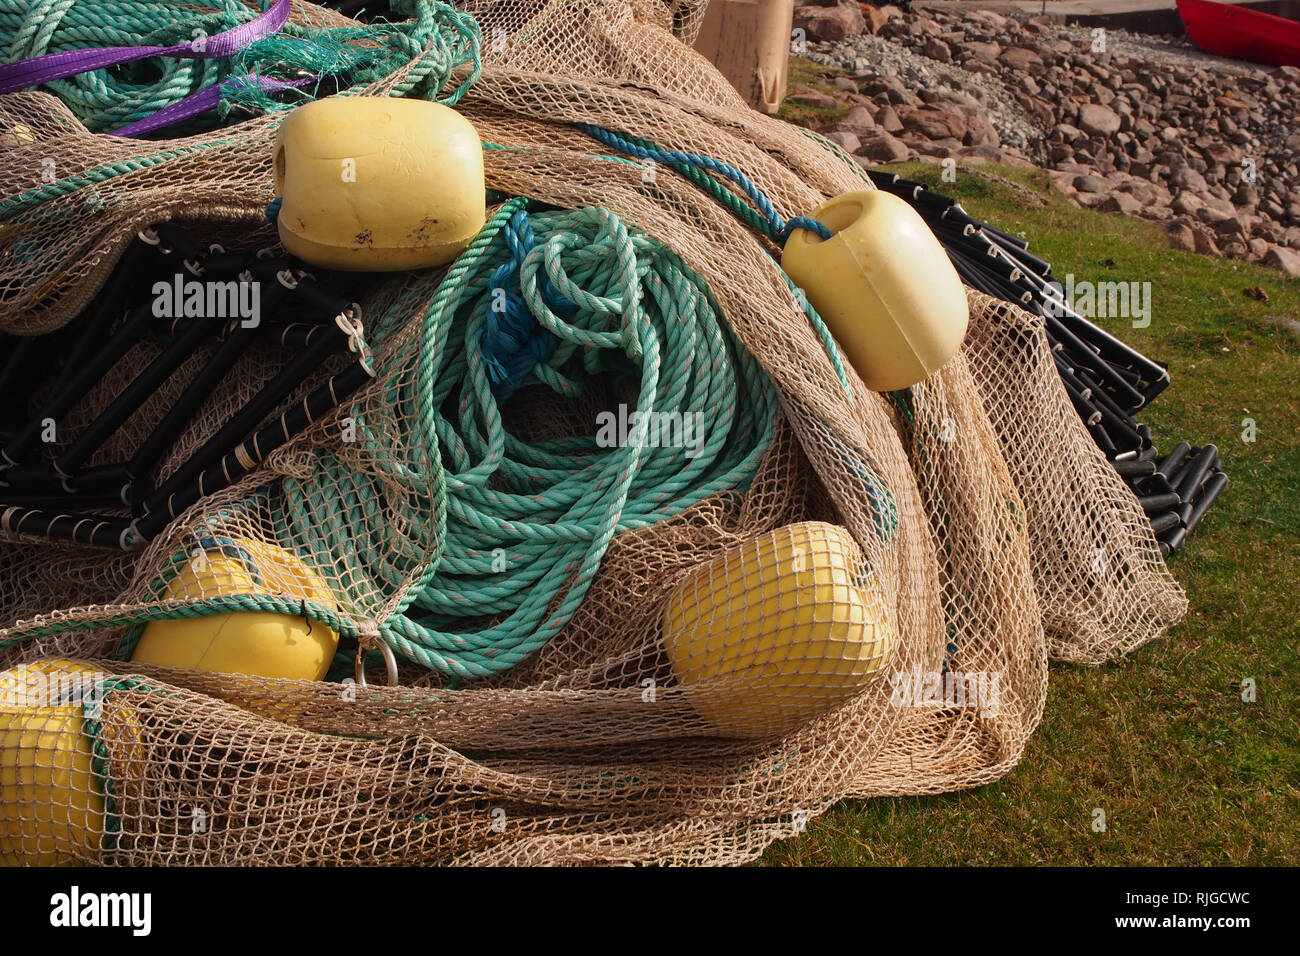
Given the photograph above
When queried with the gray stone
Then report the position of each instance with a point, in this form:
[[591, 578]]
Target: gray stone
[[887, 119], [846, 140], [937, 50], [827, 23], [883, 147], [1097, 120], [1181, 236], [1185, 177], [1283, 259], [1091, 183]]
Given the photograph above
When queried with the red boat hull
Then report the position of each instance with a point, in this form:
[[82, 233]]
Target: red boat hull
[[1241, 33]]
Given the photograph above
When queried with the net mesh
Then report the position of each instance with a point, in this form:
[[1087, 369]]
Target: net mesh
[[939, 546]]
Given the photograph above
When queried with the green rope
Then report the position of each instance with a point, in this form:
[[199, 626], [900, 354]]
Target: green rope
[[44, 193], [438, 39], [100, 761], [513, 532], [746, 213]]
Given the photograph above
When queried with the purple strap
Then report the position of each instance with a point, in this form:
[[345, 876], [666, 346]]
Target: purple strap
[[36, 70], [202, 101]]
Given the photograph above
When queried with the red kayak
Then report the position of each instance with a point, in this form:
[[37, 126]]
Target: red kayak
[[1241, 33]]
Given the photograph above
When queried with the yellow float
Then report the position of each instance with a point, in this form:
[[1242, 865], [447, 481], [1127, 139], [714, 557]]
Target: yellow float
[[778, 631], [378, 184], [51, 810], [884, 287], [257, 643]]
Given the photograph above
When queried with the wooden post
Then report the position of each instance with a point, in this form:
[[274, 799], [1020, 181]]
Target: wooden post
[[749, 42]]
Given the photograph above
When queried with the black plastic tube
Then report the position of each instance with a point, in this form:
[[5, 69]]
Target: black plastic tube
[[80, 381], [1197, 469], [235, 464], [1155, 484], [36, 479], [1087, 411], [173, 423], [1163, 522], [293, 374], [1213, 487], [1125, 432], [20, 348], [1172, 462], [1174, 538], [97, 530], [134, 395], [1155, 388], [1134, 468], [108, 500], [1102, 438], [1120, 353], [1158, 504], [108, 306]]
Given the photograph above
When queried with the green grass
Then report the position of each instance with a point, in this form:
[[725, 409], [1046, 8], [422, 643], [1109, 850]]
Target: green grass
[[1186, 772], [815, 76]]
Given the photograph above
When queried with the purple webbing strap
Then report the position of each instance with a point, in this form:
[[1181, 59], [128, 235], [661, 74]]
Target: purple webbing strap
[[201, 102], [36, 70]]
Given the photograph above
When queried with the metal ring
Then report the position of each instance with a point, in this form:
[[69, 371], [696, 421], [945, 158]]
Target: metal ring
[[148, 235], [390, 663], [288, 283]]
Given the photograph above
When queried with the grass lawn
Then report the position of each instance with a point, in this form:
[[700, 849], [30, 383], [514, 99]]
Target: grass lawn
[[1186, 771]]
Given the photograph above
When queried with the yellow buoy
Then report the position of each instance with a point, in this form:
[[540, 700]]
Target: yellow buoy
[[883, 285], [17, 135], [257, 643], [51, 810], [377, 183], [779, 630]]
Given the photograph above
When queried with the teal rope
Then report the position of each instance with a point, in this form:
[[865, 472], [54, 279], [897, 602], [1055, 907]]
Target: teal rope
[[38, 195], [545, 511], [778, 228], [437, 40], [93, 729], [760, 216]]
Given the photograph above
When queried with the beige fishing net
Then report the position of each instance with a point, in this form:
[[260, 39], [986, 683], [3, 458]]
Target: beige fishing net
[[1007, 538]]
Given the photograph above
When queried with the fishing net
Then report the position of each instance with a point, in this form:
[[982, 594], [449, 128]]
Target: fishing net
[[544, 710]]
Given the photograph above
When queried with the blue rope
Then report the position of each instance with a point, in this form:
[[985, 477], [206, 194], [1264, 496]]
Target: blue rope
[[512, 341], [781, 228]]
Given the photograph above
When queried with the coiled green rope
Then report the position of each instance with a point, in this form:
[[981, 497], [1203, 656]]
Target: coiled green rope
[[438, 39], [520, 528]]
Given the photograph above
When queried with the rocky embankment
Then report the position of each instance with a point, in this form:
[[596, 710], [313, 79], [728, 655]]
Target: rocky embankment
[[1132, 125]]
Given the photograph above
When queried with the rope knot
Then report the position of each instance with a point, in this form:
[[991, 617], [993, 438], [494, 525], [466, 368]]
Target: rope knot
[[513, 343]]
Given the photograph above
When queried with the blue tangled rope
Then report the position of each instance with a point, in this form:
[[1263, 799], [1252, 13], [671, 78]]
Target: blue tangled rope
[[780, 228]]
